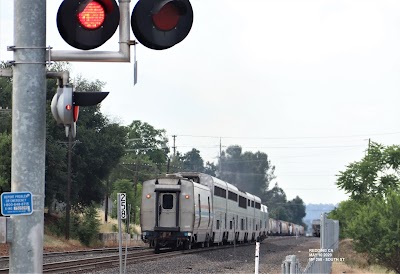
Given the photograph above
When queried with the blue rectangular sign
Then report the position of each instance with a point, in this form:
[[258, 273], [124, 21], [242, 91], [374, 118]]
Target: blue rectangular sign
[[16, 203]]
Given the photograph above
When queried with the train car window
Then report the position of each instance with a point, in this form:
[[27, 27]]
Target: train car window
[[232, 196], [230, 225], [168, 201], [258, 205], [242, 202], [252, 203], [248, 202], [219, 192], [217, 224]]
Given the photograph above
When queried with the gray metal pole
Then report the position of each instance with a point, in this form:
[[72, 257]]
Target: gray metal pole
[[119, 232], [69, 183], [29, 132]]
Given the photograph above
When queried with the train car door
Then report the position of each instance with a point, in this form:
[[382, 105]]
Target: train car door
[[167, 209]]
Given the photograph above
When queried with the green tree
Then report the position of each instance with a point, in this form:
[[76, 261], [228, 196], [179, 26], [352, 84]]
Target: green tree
[[210, 169], [176, 163], [345, 213], [375, 175], [375, 230], [276, 201], [98, 148], [125, 186], [297, 210], [5, 88], [251, 172], [192, 161], [5, 161], [144, 139]]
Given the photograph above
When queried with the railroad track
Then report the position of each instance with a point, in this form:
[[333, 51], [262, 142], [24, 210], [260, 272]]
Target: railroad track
[[112, 261], [4, 260]]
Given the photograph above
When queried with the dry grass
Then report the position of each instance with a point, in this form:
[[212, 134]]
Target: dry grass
[[354, 262], [108, 227], [53, 243]]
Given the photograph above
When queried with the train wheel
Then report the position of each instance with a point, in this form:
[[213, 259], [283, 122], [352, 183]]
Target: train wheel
[[188, 245], [157, 248]]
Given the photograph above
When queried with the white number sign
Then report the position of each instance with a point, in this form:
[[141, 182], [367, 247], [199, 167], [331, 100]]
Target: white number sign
[[122, 204]]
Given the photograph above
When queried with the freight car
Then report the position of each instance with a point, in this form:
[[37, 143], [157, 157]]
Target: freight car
[[189, 208], [316, 227], [283, 228]]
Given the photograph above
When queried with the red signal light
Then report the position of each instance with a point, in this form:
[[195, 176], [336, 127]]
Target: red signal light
[[68, 107], [167, 18], [161, 24], [87, 24], [92, 16]]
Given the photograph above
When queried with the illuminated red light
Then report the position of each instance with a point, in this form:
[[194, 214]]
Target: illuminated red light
[[167, 18], [92, 16], [68, 107]]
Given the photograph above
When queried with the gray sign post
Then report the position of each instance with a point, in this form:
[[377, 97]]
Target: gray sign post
[[121, 197], [28, 132]]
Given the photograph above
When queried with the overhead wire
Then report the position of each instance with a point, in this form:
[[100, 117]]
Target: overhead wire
[[290, 138]]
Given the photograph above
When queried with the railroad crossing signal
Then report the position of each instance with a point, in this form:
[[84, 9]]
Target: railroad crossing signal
[[87, 24], [157, 24], [65, 106], [161, 24]]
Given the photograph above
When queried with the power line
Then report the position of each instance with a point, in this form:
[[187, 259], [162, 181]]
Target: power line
[[289, 138]]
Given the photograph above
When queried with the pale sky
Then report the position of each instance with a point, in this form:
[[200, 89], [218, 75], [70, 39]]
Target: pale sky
[[307, 82]]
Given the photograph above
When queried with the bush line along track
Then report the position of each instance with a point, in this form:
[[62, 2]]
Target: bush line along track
[[97, 263]]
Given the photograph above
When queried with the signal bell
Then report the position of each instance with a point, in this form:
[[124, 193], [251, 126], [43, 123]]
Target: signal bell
[[87, 24], [161, 24]]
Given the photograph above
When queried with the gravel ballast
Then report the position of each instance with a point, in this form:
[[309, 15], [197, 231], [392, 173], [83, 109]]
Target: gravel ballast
[[233, 260]]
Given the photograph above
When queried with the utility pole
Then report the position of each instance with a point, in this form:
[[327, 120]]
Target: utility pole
[[28, 132], [369, 144], [174, 147], [220, 158], [135, 182]]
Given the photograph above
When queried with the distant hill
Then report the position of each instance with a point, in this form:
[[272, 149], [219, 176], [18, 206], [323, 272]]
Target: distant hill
[[314, 211]]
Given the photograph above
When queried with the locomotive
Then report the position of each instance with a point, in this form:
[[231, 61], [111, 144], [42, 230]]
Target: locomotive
[[187, 209]]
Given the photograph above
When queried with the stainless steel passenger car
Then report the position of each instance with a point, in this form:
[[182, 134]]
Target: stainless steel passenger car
[[176, 212], [188, 208]]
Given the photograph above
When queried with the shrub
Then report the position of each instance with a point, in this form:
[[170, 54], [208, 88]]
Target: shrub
[[376, 230], [89, 226]]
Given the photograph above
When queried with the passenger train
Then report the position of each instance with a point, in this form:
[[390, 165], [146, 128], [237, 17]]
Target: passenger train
[[189, 208]]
